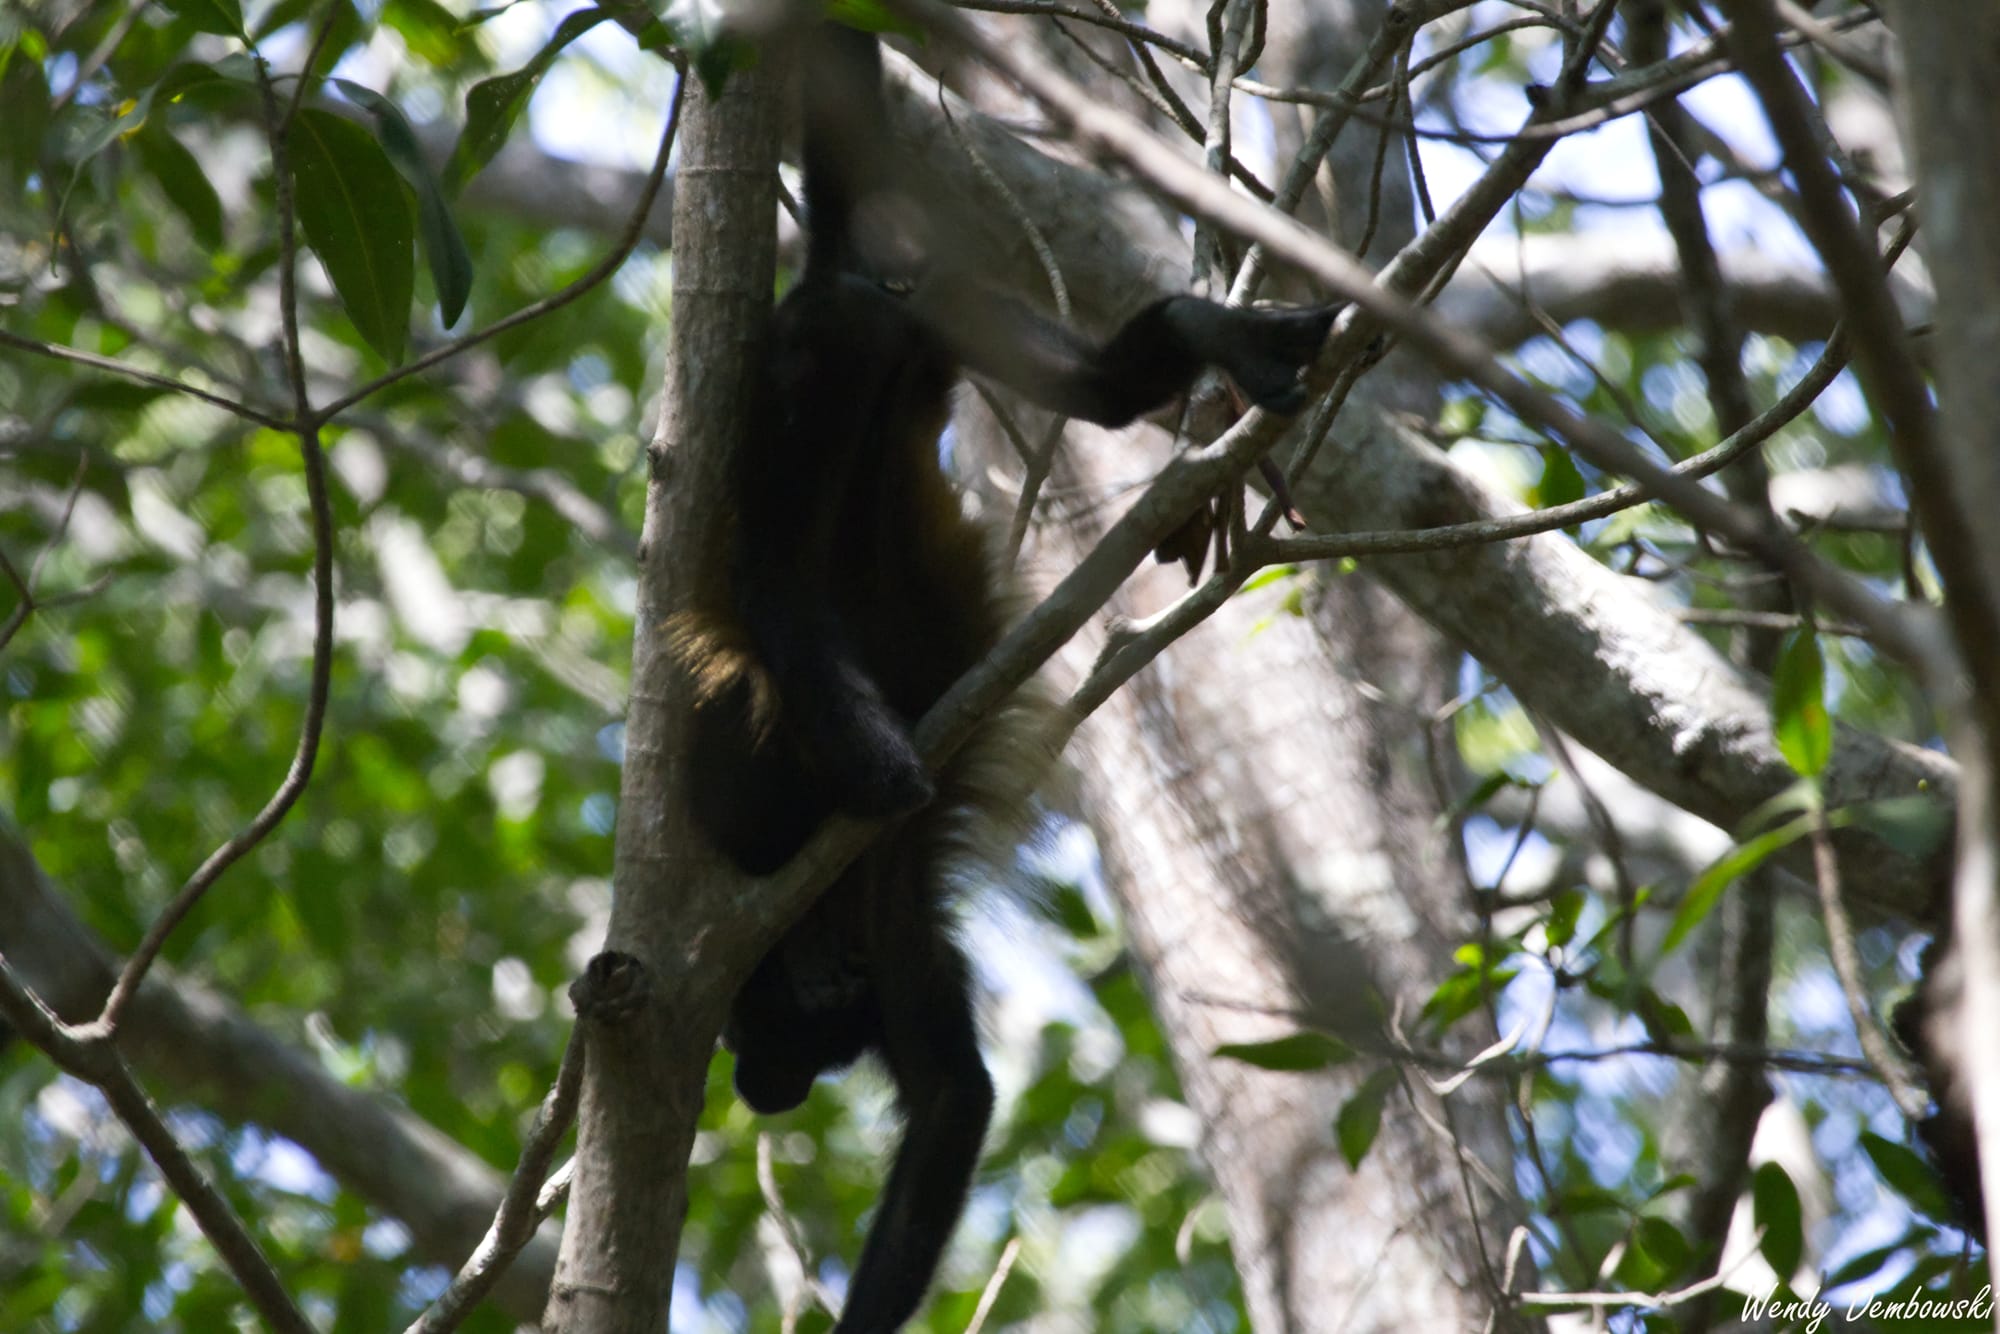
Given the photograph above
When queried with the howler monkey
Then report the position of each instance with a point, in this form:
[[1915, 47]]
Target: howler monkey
[[859, 592]]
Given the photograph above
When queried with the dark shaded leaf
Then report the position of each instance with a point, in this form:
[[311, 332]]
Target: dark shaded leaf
[[184, 182], [356, 215], [444, 246], [1913, 826], [218, 16], [1775, 1208], [1908, 1173], [1360, 1118], [24, 106], [1299, 1051], [492, 105]]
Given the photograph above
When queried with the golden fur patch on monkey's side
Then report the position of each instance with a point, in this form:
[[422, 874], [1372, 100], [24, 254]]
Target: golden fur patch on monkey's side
[[716, 653]]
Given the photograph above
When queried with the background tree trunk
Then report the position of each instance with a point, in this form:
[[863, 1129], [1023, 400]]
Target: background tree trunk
[[1266, 812]]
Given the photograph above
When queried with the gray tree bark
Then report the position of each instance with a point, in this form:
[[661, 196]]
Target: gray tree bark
[[1267, 824], [674, 907]]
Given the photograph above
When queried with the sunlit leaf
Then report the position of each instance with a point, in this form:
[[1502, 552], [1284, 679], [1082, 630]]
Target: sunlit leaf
[[1561, 482], [1798, 703], [1706, 891]]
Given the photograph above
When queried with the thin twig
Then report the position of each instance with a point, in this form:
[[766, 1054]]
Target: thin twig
[[991, 1293], [1227, 44], [1041, 458], [307, 751], [1605, 503], [521, 1208], [113, 366], [304, 78], [1888, 1064], [1391, 36], [94, 1059], [1908, 633], [788, 1228], [1645, 1300]]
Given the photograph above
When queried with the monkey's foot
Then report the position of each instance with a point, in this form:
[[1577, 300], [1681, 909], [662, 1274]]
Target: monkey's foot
[[1275, 347], [871, 767]]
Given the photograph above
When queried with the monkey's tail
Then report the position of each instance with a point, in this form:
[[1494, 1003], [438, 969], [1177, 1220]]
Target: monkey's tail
[[846, 133]]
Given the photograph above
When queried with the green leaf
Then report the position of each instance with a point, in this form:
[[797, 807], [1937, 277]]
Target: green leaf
[[1590, 1198], [1774, 1203], [1360, 1118], [1299, 1051], [1461, 417], [184, 182], [872, 16], [492, 105], [1865, 1265], [1066, 907], [239, 71], [1561, 483], [1801, 798], [701, 27], [218, 16], [1656, 1253], [109, 131], [117, 127], [1463, 992], [1487, 788], [1559, 927], [444, 246], [24, 110], [1798, 703], [1706, 891], [1909, 1173], [356, 214], [1264, 578], [1664, 1021]]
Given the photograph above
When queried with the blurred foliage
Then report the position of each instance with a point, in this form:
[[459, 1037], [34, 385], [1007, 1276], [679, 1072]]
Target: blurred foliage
[[413, 922]]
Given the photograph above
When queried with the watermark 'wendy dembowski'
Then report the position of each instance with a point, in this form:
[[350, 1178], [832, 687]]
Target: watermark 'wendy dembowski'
[[1810, 1313]]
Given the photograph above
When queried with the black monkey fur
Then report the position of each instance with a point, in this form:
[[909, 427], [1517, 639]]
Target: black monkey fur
[[859, 593]]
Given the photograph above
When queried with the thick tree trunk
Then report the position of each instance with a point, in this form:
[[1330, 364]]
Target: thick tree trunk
[[674, 907], [1278, 864], [1268, 828]]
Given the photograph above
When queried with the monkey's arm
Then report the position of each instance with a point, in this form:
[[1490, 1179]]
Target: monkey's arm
[[1155, 355]]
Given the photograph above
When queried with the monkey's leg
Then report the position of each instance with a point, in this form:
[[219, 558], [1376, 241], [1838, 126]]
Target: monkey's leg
[[931, 1045], [1155, 355], [750, 796], [855, 744]]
